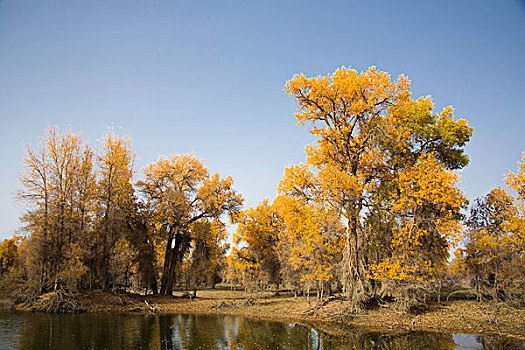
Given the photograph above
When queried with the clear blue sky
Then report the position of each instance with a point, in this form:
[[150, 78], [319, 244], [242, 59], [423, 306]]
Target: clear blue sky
[[207, 77]]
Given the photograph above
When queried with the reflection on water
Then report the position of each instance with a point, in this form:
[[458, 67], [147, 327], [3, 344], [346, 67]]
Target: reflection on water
[[105, 331]]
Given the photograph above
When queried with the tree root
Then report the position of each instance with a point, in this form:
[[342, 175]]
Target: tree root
[[59, 302]]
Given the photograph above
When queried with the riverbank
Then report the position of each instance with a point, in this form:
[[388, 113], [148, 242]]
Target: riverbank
[[458, 316]]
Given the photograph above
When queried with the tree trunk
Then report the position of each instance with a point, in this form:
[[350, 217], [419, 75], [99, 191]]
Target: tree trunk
[[356, 285], [175, 249], [308, 294], [153, 284], [478, 288], [166, 270]]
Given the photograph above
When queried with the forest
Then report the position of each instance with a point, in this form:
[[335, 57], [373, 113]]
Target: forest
[[374, 213]]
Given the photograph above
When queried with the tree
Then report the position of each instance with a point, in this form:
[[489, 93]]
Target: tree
[[427, 223], [495, 240], [180, 192], [516, 224], [258, 233], [367, 131], [142, 239], [486, 241], [234, 269], [56, 182], [8, 254], [311, 241], [115, 206], [208, 252]]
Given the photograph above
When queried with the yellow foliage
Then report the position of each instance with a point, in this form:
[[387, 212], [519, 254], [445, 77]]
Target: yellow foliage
[[516, 213], [313, 237], [116, 161], [429, 224], [180, 190], [495, 241], [8, 253], [258, 228]]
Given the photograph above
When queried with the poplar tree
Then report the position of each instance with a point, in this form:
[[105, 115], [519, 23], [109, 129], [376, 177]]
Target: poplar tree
[[368, 130]]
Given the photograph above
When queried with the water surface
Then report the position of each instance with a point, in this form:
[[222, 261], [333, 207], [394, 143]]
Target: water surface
[[110, 331]]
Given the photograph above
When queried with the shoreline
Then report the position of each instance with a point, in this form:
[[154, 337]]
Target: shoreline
[[458, 316]]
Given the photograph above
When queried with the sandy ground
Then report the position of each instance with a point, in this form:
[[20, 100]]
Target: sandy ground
[[451, 317]]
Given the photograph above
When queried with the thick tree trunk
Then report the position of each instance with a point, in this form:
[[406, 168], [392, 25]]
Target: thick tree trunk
[[355, 282], [175, 249], [153, 285], [166, 271]]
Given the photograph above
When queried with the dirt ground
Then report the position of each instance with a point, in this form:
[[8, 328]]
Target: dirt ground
[[453, 317]]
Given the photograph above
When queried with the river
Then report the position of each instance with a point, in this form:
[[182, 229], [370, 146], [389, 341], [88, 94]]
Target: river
[[114, 331]]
